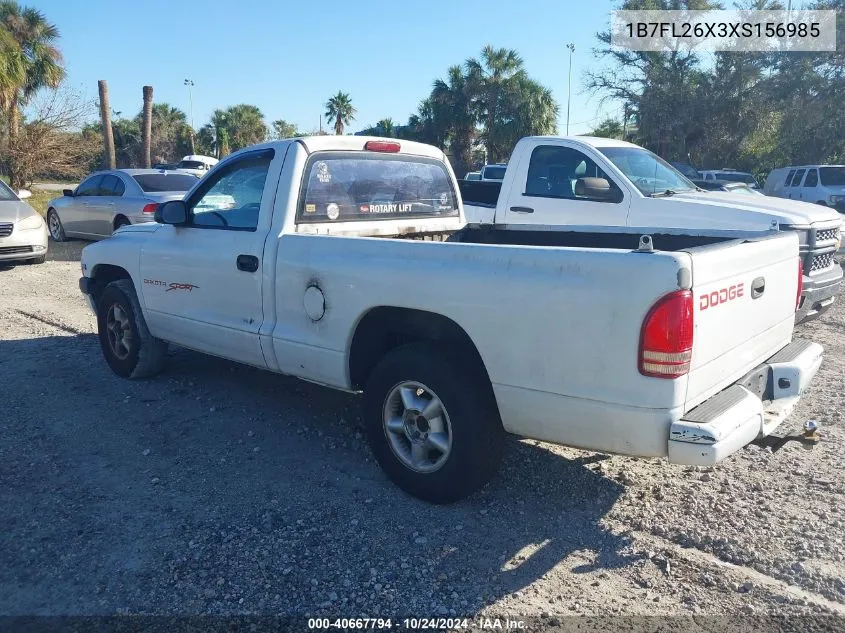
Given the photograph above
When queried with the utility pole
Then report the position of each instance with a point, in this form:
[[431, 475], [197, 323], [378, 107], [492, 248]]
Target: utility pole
[[190, 84], [571, 48]]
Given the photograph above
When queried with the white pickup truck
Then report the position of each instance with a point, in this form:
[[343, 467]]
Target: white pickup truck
[[581, 180], [667, 345]]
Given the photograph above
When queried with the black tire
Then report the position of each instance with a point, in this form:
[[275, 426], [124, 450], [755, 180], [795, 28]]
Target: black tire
[[822, 202], [55, 227], [143, 355], [475, 426]]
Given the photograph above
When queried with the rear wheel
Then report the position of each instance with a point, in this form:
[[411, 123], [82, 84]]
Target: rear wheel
[[120, 221], [128, 347], [432, 423], [54, 225]]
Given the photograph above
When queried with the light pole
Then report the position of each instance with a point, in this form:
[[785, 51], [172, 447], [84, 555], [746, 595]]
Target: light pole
[[571, 48], [190, 84]]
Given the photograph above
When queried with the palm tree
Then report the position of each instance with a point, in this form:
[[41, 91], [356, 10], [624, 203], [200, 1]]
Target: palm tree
[[497, 72], [452, 101], [245, 126], [340, 110], [12, 70], [41, 63], [386, 127], [147, 125], [109, 159]]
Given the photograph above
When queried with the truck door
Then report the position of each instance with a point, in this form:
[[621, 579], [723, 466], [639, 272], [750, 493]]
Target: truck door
[[546, 191], [202, 282]]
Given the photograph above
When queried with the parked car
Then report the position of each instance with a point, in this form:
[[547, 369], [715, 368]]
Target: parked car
[[581, 180], [166, 166], [473, 175], [678, 346], [108, 200], [687, 170], [493, 172], [821, 184], [196, 164], [730, 174], [727, 186], [23, 234]]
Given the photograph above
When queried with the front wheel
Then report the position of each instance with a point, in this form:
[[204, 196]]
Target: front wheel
[[432, 423], [128, 347]]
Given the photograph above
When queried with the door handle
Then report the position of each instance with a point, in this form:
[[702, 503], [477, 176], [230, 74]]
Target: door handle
[[247, 263], [758, 287], [522, 209]]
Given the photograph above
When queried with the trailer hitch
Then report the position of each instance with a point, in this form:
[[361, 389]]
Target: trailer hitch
[[808, 439]]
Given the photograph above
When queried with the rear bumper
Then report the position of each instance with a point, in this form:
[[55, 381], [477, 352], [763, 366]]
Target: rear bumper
[[752, 407], [819, 293]]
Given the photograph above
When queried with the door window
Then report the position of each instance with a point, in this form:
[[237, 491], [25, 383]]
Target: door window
[[111, 186], [231, 199], [789, 178], [796, 179], [812, 179], [90, 187], [554, 170]]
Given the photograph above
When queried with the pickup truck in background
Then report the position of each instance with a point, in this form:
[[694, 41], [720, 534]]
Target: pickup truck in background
[[493, 172], [670, 344], [561, 182]]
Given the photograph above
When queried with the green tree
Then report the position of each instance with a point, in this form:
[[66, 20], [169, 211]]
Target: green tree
[[170, 137], [609, 128], [386, 127], [507, 103], [282, 129], [38, 59], [451, 100], [244, 126], [340, 112]]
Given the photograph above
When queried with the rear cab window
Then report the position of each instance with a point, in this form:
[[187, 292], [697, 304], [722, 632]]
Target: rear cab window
[[367, 186], [165, 182]]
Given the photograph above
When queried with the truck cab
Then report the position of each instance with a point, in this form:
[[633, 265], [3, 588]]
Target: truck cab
[[561, 182]]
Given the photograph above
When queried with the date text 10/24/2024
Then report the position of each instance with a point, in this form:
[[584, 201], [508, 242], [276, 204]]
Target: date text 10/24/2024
[[415, 624]]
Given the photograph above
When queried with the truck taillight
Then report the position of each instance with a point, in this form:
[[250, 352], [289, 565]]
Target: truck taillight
[[149, 208], [800, 283], [382, 146], [666, 336]]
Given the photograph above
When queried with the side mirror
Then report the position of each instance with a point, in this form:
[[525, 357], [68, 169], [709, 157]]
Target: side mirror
[[174, 212], [67, 192], [23, 194], [595, 188]]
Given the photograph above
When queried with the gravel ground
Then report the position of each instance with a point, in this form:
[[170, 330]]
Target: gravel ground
[[220, 489]]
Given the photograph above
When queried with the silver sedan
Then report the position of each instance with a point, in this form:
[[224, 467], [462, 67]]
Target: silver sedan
[[23, 235], [107, 200]]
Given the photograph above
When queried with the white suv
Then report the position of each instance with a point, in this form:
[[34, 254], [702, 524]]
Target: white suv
[[822, 184]]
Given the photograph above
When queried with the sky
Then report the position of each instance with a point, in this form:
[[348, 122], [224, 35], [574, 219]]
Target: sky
[[288, 57]]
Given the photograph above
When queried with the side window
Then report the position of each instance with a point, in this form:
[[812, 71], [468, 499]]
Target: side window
[[812, 178], [554, 171], [796, 179], [110, 185], [90, 187], [231, 199], [789, 176]]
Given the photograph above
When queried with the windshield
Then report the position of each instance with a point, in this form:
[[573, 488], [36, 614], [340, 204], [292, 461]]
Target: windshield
[[748, 179], [832, 176], [191, 164], [6, 194], [648, 172], [165, 182], [494, 173]]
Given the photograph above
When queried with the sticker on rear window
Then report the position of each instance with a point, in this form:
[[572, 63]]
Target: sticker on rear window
[[333, 211], [323, 174], [310, 208]]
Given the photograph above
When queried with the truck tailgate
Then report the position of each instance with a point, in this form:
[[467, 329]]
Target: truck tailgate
[[744, 298]]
